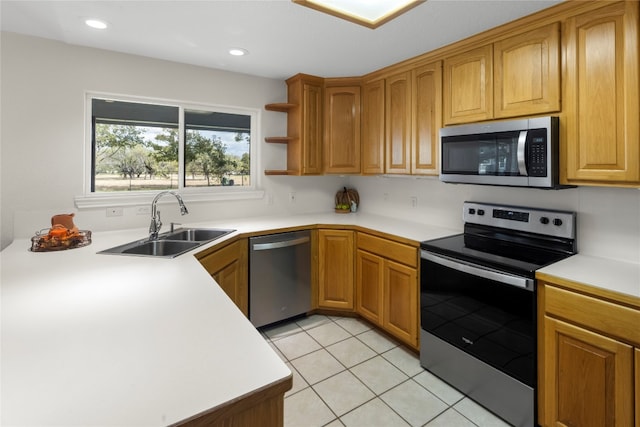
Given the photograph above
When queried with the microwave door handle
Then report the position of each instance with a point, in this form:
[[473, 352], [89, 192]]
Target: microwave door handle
[[522, 151]]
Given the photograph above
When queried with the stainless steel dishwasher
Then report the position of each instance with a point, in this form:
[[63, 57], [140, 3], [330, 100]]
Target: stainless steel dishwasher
[[279, 276]]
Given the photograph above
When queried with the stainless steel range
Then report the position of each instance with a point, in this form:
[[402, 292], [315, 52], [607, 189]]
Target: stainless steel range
[[478, 303]]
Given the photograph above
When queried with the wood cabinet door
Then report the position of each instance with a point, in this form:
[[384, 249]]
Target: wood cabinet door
[[398, 124], [342, 129], [400, 315], [426, 118], [587, 378], [637, 386], [527, 73], [373, 127], [229, 268], [601, 107], [311, 129], [468, 86], [369, 285], [336, 269]]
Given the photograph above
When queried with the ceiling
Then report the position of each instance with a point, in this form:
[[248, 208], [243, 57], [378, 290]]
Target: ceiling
[[282, 38]]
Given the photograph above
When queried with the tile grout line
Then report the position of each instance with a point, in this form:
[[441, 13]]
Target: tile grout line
[[375, 395], [345, 368]]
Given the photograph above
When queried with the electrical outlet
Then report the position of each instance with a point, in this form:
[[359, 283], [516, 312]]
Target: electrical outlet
[[143, 210], [414, 201], [292, 197], [114, 212]]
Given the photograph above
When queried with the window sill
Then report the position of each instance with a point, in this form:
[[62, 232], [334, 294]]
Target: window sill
[[144, 198]]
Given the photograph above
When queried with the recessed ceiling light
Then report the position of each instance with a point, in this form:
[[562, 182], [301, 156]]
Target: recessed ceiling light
[[236, 51], [371, 13], [96, 23]]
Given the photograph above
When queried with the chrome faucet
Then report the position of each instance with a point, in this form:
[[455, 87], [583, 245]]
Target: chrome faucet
[[156, 224]]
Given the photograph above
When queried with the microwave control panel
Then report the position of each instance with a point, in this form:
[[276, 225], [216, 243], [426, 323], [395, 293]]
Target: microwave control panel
[[537, 141]]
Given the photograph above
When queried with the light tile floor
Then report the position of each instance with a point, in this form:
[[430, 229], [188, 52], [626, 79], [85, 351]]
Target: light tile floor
[[345, 373]]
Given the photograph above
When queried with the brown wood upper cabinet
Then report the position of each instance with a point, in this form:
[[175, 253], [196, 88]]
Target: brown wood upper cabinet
[[527, 73], [468, 86], [398, 123], [515, 76], [412, 119], [426, 118], [342, 129], [601, 107], [373, 127]]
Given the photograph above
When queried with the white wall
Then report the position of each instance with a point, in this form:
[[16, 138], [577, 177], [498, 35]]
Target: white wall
[[608, 218], [42, 136], [42, 145]]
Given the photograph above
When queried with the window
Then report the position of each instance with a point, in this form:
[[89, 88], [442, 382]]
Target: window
[[139, 146]]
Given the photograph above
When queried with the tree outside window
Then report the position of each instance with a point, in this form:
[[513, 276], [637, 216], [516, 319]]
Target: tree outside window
[[136, 147]]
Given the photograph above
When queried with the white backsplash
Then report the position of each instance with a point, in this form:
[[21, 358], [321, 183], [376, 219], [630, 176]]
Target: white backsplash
[[608, 218]]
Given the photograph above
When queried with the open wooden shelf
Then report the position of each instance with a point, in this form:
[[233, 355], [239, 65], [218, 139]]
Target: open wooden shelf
[[282, 107], [279, 172], [278, 139]]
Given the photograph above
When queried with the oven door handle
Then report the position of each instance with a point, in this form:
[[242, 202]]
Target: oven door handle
[[485, 272]]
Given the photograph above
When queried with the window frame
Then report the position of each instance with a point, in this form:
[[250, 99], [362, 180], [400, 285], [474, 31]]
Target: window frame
[[91, 199]]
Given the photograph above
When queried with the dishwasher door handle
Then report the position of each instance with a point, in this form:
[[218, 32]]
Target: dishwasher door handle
[[278, 245]]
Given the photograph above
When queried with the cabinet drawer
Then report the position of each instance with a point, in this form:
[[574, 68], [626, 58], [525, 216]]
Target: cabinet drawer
[[395, 251], [611, 319]]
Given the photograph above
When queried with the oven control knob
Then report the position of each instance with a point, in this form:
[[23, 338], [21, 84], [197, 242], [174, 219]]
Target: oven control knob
[[472, 211], [544, 220], [557, 222], [480, 212]]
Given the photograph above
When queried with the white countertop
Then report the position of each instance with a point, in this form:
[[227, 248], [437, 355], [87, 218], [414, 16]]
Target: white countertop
[[608, 274], [112, 340]]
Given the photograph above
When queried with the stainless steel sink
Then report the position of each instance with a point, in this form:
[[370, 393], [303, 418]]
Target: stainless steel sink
[[171, 244], [161, 248], [196, 234]]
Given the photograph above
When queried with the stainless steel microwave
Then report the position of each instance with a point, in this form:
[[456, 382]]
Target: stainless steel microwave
[[521, 153]]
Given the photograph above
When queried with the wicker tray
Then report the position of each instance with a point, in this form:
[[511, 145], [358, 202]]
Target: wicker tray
[[45, 243]]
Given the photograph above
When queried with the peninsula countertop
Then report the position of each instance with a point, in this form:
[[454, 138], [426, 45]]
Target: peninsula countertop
[[90, 339]]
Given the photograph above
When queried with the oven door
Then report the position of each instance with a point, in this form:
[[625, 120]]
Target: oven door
[[487, 314]]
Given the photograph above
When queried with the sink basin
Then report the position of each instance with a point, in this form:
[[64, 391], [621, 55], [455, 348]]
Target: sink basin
[[161, 248], [196, 234], [169, 245]]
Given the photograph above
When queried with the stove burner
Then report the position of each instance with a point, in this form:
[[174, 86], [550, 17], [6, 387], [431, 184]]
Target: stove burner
[[514, 239]]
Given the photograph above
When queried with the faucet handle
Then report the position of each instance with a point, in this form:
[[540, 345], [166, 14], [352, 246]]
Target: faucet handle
[[173, 224]]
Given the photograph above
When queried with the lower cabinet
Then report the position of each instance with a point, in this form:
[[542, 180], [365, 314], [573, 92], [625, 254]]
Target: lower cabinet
[[593, 377], [335, 269], [637, 386], [586, 364], [229, 267], [370, 285], [387, 286]]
